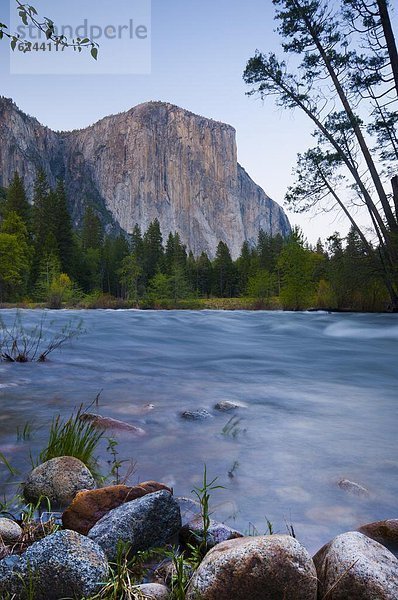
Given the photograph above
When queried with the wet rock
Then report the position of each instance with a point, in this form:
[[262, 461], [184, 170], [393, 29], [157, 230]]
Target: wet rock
[[353, 488], [150, 521], [10, 531], [200, 414], [192, 532], [153, 591], [255, 568], [384, 532], [355, 566], [114, 424], [89, 506], [58, 479], [227, 406], [189, 509], [62, 565]]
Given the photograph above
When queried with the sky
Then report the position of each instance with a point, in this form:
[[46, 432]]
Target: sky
[[193, 56]]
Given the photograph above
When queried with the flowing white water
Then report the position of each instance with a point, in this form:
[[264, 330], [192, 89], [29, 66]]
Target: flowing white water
[[320, 396]]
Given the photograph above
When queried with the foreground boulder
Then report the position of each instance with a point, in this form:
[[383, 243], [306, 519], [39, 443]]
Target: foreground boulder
[[62, 565], [10, 531], [192, 532], [273, 567], [384, 532], [147, 522], [89, 506], [355, 566], [58, 479]]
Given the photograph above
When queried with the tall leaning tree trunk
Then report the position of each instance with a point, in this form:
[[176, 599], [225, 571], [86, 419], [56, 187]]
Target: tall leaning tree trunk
[[385, 22]]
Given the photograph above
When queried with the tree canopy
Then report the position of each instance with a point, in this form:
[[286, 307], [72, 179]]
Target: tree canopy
[[345, 79]]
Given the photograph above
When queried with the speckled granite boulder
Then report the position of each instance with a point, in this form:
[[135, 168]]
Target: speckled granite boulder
[[59, 479], [89, 506], [62, 565], [355, 566], [150, 521], [10, 531], [257, 568]]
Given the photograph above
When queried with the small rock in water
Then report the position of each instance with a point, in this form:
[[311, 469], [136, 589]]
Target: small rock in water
[[89, 506], [353, 488], [109, 423], [189, 509], [255, 568], [200, 414], [153, 591], [62, 565], [217, 532], [58, 479], [10, 531], [150, 521], [226, 406], [384, 532], [355, 566]]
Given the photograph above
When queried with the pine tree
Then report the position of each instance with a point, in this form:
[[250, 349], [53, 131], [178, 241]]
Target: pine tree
[[63, 229], [204, 275], [243, 265], [224, 272], [17, 202], [92, 231], [153, 250], [296, 264]]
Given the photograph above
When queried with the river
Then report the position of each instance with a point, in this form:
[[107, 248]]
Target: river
[[318, 394]]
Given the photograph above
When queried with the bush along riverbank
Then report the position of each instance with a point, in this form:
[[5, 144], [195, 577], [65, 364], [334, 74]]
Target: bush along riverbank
[[77, 538]]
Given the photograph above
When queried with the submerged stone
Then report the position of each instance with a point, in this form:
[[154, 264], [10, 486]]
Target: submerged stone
[[200, 414]]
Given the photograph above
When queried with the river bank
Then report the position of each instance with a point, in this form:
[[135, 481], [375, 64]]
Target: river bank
[[311, 388]]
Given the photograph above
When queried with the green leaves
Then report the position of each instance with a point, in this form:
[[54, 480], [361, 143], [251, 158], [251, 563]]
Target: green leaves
[[94, 52]]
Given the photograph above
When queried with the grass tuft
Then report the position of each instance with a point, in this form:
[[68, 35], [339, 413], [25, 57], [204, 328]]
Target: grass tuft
[[73, 437]]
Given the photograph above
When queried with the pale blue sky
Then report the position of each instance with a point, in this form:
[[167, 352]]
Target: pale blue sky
[[199, 51]]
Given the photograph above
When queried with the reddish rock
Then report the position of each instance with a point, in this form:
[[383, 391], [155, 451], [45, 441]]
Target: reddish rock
[[89, 506], [109, 423]]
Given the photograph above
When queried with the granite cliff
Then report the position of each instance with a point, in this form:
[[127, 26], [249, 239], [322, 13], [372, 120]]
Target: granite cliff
[[156, 160]]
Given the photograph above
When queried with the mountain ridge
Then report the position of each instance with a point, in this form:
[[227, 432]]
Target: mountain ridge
[[155, 160]]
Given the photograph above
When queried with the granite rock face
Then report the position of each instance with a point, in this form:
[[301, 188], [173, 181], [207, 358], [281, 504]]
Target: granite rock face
[[153, 161]]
